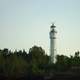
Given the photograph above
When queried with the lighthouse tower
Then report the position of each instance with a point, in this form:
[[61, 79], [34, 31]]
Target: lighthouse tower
[[52, 43]]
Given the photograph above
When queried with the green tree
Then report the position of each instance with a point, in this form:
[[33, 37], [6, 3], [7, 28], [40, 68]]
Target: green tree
[[38, 59]]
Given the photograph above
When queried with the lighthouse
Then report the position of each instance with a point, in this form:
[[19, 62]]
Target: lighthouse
[[52, 43]]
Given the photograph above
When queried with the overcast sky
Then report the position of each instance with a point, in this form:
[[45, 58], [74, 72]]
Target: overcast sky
[[25, 23]]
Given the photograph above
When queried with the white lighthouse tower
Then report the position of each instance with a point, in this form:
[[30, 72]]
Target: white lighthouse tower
[[52, 44]]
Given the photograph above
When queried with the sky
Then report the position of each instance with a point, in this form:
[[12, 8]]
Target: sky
[[25, 23]]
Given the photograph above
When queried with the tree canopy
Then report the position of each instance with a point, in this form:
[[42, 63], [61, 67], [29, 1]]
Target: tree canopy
[[35, 62]]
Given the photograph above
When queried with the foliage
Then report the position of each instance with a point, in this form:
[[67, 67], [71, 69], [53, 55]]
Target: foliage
[[36, 62]]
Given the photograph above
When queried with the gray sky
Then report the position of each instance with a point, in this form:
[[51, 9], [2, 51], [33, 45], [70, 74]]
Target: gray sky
[[24, 23]]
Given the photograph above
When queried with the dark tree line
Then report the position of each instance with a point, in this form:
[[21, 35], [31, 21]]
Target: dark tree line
[[22, 64]]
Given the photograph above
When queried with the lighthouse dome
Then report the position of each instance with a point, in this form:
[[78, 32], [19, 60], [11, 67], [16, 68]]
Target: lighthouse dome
[[53, 26]]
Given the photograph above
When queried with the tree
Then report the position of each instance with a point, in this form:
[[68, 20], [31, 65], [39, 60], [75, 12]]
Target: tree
[[62, 63], [38, 59]]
